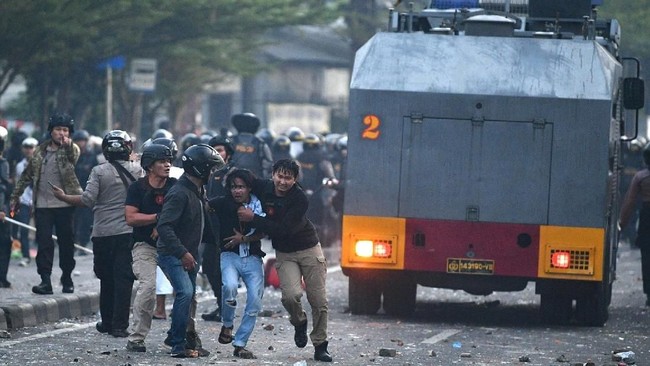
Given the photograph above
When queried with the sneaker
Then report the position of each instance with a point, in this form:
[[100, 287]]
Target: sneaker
[[137, 346], [300, 335], [242, 352], [24, 262]]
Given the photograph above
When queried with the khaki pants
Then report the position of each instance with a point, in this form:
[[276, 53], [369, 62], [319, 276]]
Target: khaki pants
[[144, 268], [310, 265]]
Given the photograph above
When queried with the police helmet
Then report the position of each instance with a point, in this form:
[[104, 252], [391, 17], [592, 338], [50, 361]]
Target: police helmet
[[295, 134], [154, 152], [311, 142], [188, 140], [80, 135], [170, 143], [245, 122], [117, 145], [161, 133], [29, 142], [222, 141], [267, 135], [198, 161], [282, 143], [60, 120]]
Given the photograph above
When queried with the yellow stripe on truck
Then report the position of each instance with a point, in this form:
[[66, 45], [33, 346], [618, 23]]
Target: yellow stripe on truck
[[585, 246], [375, 229]]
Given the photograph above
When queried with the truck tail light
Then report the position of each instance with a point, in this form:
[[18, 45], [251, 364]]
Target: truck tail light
[[376, 249]]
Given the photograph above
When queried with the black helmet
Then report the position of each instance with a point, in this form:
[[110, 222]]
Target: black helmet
[[170, 143], [267, 135], [188, 140], [295, 134], [161, 133], [60, 120], [282, 143], [154, 152], [80, 135], [222, 141], [245, 122], [311, 142], [117, 145], [198, 161]]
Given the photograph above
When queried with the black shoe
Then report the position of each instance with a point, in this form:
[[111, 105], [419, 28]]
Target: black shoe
[[44, 288], [647, 301], [120, 333], [167, 343], [242, 352], [101, 328], [68, 289], [213, 316], [300, 336], [321, 354], [137, 346], [5, 284]]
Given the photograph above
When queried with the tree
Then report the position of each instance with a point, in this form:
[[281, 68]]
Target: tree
[[56, 45]]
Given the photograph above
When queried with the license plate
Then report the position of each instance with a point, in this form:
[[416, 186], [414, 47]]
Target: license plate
[[470, 266]]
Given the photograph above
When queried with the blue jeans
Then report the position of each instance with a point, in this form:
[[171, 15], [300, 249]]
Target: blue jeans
[[251, 271], [184, 284]]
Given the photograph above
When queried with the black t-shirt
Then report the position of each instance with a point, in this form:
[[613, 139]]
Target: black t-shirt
[[147, 200]]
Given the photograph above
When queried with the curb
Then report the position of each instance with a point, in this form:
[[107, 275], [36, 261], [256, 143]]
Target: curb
[[51, 309]]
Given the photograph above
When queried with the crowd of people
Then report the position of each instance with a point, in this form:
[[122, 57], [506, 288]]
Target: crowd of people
[[163, 216]]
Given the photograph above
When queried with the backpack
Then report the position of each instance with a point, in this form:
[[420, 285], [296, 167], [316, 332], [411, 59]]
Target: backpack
[[251, 153]]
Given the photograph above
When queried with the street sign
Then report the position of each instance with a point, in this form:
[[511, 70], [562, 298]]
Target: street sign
[[143, 75]]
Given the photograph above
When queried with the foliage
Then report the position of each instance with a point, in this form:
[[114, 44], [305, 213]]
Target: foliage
[[56, 46]]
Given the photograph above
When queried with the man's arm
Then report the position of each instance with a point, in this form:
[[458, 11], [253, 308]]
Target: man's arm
[[170, 216]]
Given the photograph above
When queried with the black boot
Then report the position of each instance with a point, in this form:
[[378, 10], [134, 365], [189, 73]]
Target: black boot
[[300, 335], [321, 354], [66, 283], [45, 287], [213, 316]]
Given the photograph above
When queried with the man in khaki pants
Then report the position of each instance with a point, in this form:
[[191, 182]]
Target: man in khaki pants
[[144, 201], [298, 252]]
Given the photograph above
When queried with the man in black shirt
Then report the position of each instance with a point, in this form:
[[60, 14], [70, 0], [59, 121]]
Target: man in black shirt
[[144, 201], [298, 251]]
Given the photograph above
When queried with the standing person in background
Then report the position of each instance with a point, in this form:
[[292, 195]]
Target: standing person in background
[[178, 245], [5, 236], [144, 202], [251, 152], [52, 164], [24, 213], [111, 236], [298, 252], [211, 251], [639, 190], [83, 216]]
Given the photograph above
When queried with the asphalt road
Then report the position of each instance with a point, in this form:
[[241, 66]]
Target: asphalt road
[[448, 328]]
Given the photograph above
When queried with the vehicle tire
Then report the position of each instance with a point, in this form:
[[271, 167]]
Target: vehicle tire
[[399, 296], [593, 309], [556, 309], [364, 295]]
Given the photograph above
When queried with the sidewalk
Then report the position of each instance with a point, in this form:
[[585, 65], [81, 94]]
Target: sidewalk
[[19, 307]]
